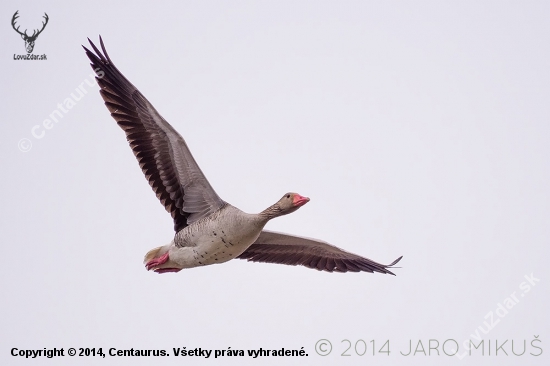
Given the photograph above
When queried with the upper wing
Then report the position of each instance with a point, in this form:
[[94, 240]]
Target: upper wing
[[161, 152], [272, 247]]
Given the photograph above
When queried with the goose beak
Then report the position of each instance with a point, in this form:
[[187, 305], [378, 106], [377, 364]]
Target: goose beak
[[300, 200]]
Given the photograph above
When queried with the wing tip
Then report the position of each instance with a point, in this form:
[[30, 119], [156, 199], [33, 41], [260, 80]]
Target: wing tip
[[394, 262], [103, 57], [391, 265]]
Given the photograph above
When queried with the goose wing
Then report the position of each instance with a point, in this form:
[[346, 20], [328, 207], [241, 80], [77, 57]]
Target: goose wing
[[273, 247], [162, 153]]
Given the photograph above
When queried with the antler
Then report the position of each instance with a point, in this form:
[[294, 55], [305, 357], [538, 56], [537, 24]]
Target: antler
[[34, 34], [15, 16]]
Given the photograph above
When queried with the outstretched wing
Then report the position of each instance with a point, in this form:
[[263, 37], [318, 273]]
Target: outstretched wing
[[272, 247], [161, 152]]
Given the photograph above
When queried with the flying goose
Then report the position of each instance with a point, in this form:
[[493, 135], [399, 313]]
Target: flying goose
[[208, 229]]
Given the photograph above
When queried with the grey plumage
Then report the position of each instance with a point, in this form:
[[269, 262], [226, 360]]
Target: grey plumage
[[273, 247], [162, 153], [208, 230]]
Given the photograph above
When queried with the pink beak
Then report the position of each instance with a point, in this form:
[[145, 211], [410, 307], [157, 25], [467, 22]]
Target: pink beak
[[300, 200]]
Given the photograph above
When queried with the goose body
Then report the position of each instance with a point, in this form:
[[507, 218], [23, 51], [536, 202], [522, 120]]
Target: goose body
[[218, 238], [208, 230]]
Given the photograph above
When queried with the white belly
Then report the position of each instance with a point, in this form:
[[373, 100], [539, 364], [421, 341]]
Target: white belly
[[215, 241]]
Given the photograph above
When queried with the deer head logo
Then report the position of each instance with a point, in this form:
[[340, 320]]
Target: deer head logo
[[29, 40]]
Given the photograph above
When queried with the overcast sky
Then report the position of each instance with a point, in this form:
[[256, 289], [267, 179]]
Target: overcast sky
[[416, 128]]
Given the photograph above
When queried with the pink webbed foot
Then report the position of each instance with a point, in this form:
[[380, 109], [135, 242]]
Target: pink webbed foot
[[154, 263]]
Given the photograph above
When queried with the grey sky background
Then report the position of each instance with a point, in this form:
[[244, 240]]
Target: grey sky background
[[416, 128]]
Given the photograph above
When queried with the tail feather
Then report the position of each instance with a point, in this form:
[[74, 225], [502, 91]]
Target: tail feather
[[153, 253]]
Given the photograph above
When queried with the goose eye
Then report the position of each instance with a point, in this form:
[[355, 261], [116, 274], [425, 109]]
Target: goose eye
[[287, 196]]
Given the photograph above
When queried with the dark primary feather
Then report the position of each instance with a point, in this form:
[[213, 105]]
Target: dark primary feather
[[161, 152], [272, 247]]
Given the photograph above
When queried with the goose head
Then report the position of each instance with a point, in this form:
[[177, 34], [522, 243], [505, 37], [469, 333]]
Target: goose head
[[289, 203]]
